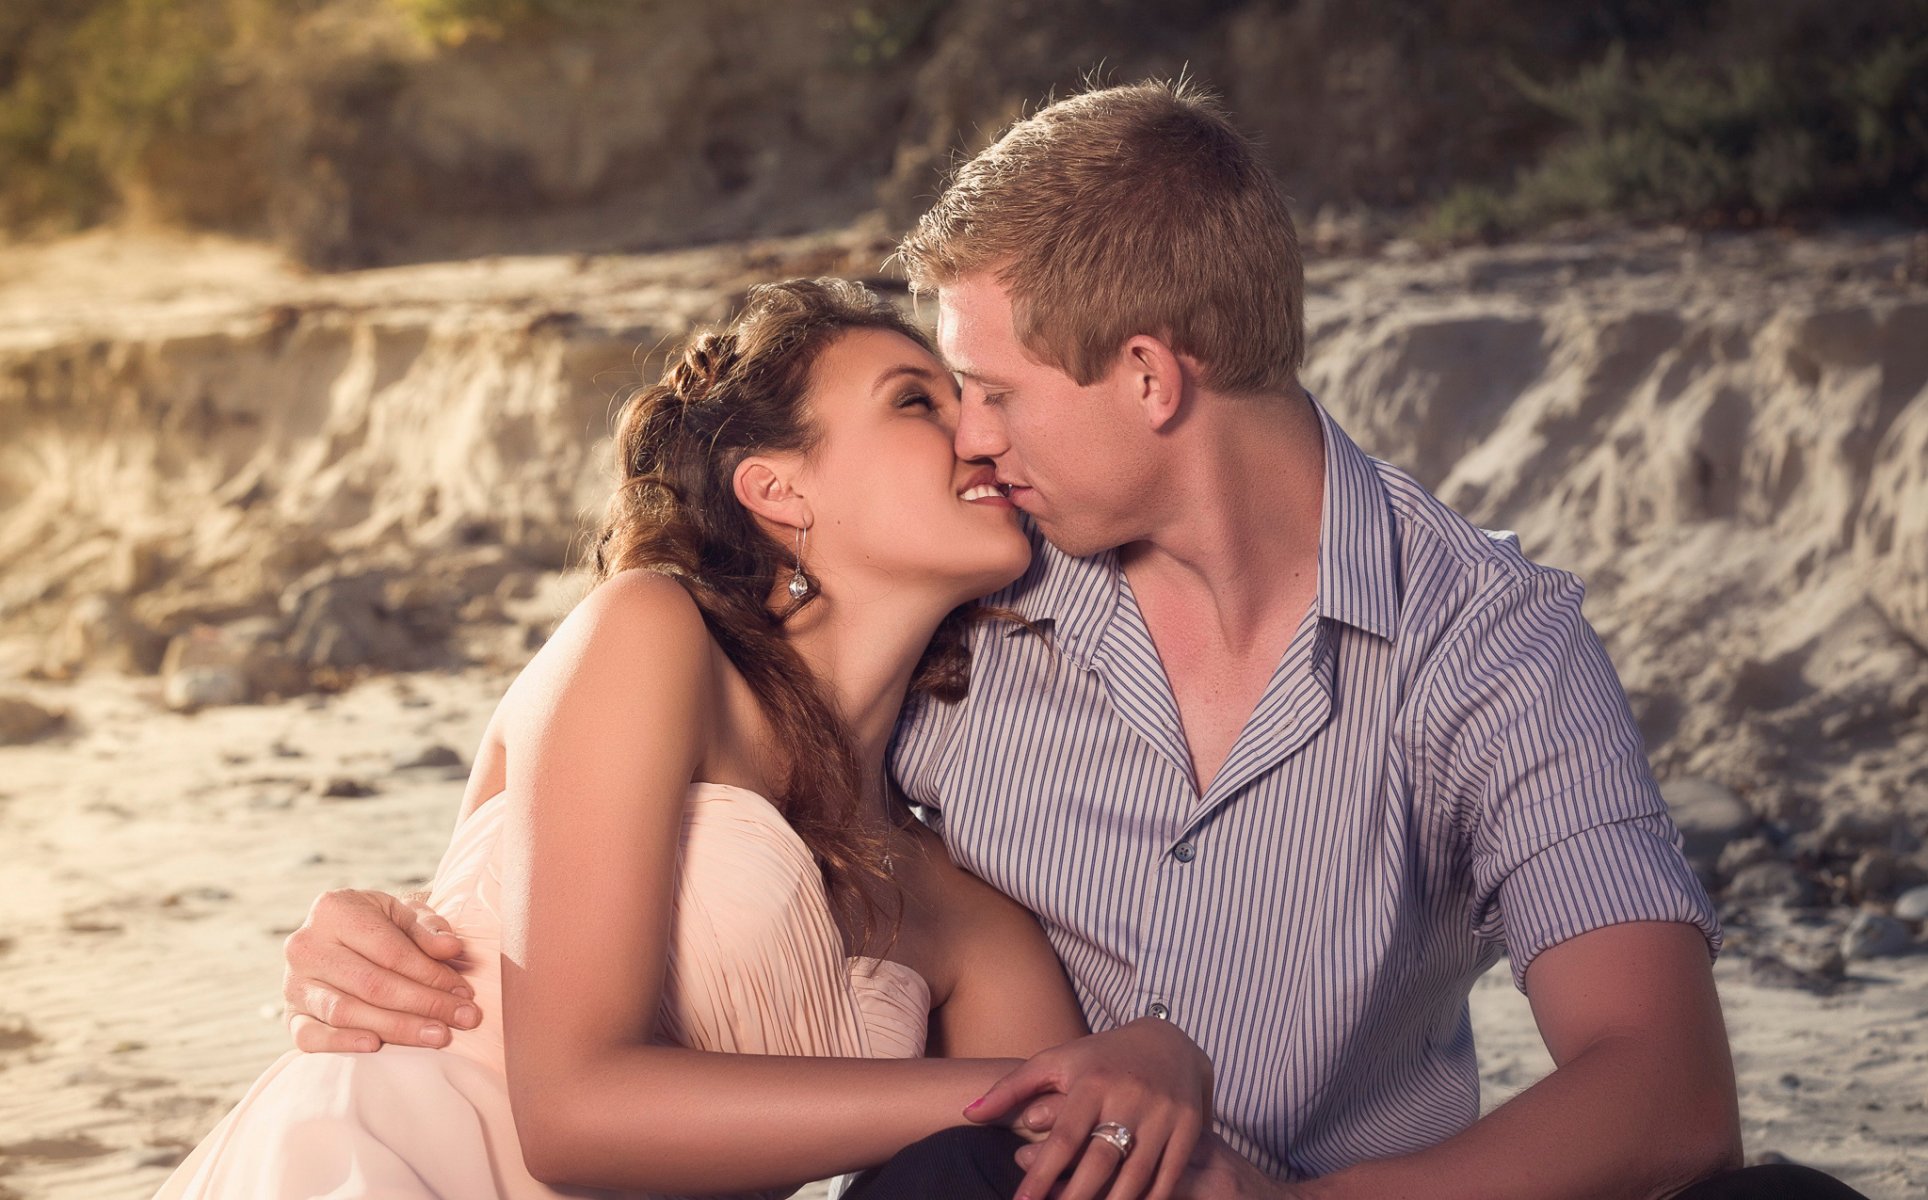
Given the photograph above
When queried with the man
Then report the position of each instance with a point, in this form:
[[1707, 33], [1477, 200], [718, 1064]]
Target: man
[[1290, 752]]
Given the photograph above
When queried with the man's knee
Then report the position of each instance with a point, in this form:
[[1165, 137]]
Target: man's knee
[[1781, 1181], [964, 1162]]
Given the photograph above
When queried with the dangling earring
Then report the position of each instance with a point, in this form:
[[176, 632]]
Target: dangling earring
[[799, 582]]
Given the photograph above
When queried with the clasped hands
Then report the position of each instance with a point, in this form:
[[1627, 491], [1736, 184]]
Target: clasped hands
[[1146, 1076]]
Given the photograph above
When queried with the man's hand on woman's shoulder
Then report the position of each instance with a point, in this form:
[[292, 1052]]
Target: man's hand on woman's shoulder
[[366, 968]]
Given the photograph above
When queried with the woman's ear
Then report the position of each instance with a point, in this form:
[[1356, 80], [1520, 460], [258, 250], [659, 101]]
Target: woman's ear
[[765, 486]]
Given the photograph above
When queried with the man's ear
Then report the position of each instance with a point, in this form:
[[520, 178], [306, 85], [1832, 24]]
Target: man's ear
[[1157, 379], [766, 486]]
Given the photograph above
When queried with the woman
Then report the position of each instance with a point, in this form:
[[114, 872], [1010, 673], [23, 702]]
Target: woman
[[697, 759]]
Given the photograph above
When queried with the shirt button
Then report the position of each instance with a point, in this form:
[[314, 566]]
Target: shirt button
[[1184, 852], [1159, 1010]]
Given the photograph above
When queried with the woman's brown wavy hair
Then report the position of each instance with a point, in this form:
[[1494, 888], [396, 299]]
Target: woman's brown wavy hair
[[734, 391]]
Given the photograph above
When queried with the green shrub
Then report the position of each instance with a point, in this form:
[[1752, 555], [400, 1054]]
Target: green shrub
[[455, 21], [87, 88], [880, 32], [1682, 139]]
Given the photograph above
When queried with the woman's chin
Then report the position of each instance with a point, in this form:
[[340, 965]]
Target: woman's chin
[[1003, 570]]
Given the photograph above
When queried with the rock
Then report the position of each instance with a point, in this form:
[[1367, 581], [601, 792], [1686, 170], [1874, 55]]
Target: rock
[[517, 585], [16, 1034], [1736, 856], [1871, 935], [23, 721], [163, 1156], [229, 664], [99, 631], [1912, 905], [482, 610], [1709, 815], [345, 621], [1873, 876], [341, 787], [272, 672], [1822, 978], [134, 566], [435, 755], [1845, 832], [192, 688], [426, 608], [1771, 881]]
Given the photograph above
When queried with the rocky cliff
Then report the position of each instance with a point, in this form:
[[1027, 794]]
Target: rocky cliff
[[312, 477]]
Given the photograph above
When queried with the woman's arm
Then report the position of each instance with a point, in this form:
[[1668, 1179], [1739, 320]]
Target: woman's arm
[[602, 742], [1008, 996]]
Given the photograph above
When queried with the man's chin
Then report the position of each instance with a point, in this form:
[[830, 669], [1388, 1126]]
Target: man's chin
[[1072, 542]]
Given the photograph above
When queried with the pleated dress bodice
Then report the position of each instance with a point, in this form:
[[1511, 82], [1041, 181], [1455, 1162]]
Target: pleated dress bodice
[[756, 965]]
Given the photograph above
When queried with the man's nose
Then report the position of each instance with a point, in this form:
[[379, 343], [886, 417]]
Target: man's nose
[[980, 430]]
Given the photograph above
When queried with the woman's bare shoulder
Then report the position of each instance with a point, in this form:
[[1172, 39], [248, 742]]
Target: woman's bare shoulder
[[643, 623], [639, 613]]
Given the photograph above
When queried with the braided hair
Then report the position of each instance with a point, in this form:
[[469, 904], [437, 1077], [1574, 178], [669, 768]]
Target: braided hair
[[736, 391]]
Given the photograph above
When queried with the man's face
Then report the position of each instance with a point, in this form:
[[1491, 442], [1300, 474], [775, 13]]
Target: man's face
[[1076, 458]]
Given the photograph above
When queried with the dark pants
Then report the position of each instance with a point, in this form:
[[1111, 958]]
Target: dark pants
[[971, 1163]]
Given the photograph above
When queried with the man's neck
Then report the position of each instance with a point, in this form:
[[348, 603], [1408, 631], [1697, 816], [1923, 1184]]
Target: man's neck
[[1238, 542]]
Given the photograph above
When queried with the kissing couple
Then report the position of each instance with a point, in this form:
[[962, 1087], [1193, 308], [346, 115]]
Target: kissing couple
[[1052, 761]]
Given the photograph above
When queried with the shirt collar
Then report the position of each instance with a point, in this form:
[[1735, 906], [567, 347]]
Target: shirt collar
[[1358, 561], [1358, 549], [1074, 596]]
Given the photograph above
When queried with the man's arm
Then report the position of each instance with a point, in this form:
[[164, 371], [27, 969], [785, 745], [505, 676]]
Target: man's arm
[[1528, 742], [1641, 1101]]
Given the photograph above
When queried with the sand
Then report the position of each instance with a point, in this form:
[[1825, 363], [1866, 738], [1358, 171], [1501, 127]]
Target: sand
[[153, 863]]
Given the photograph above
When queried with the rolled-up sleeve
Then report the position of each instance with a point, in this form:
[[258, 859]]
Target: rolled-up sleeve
[[1534, 749]]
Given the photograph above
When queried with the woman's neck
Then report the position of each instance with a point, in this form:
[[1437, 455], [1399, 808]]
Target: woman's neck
[[866, 652]]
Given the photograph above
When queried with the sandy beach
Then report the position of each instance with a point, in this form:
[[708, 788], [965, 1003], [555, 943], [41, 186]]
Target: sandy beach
[[154, 861]]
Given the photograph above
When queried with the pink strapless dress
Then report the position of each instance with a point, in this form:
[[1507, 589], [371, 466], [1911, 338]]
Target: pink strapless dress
[[756, 966]]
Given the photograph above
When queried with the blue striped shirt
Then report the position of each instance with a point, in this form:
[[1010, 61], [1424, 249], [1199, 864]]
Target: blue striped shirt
[[1442, 766]]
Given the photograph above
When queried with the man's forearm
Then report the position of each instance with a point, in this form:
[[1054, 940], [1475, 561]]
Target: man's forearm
[[1623, 1118]]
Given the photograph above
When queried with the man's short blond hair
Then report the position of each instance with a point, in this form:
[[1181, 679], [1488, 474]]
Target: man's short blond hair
[[1125, 211]]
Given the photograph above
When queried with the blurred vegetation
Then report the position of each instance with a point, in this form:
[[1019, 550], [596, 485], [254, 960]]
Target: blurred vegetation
[[881, 33], [1702, 111], [453, 22], [88, 86], [1789, 132]]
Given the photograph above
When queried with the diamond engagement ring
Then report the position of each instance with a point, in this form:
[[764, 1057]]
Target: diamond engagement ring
[[1116, 1134]]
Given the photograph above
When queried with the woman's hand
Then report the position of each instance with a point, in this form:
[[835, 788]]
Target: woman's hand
[[1147, 1076]]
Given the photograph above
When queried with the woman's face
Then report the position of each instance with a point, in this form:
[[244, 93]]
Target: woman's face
[[890, 501]]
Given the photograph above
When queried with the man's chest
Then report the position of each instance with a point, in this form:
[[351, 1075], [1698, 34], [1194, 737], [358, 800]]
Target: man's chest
[[1069, 789], [1217, 682]]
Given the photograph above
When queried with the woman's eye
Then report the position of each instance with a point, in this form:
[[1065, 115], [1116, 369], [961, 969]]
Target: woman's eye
[[916, 398]]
